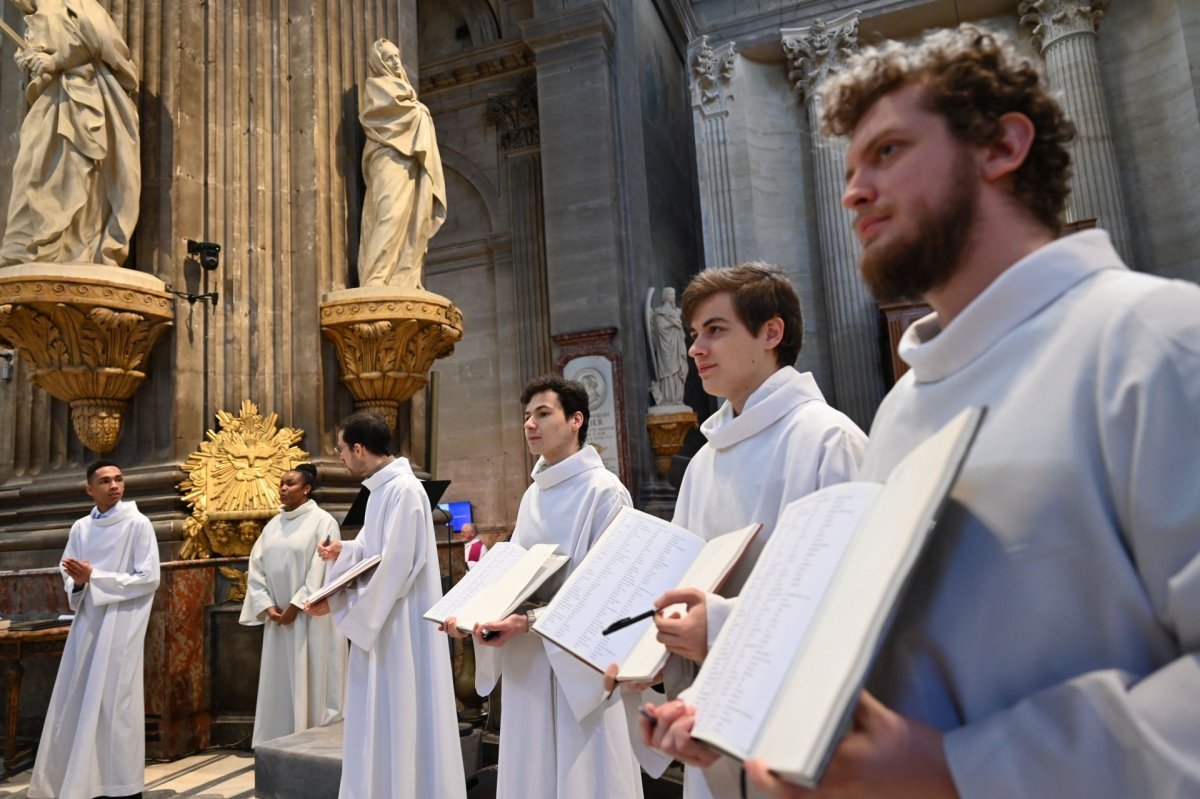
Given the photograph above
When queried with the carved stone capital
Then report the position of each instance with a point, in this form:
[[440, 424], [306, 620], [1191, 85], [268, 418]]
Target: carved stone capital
[[1051, 21], [816, 51], [667, 432], [87, 331], [515, 115], [387, 342], [711, 71]]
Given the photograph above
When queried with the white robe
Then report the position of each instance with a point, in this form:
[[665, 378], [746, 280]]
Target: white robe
[[401, 739], [303, 673], [558, 738], [786, 443], [94, 739], [1053, 627]]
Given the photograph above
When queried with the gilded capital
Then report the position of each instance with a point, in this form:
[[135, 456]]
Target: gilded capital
[[711, 72], [1052, 21], [87, 332], [387, 343], [818, 50]]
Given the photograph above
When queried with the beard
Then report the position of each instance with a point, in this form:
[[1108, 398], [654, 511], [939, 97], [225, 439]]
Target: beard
[[908, 269]]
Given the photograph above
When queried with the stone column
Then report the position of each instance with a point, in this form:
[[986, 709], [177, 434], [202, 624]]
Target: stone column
[[813, 52], [711, 72], [1066, 31], [515, 114]]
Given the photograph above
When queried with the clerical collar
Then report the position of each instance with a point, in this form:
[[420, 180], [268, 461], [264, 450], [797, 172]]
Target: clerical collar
[[299, 511], [395, 469], [584, 460], [1020, 292], [775, 398]]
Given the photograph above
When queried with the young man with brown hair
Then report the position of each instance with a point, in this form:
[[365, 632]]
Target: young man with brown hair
[[559, 736], [772, 441], [1049, 645]]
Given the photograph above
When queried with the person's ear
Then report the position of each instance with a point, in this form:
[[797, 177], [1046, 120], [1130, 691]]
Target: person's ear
[[772, 332], [1005, 155]]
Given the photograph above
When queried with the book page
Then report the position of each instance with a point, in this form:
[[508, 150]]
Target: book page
[[707, 572], [890, 539], [504, 596], [636, 560], [741, 677], [491, 568]]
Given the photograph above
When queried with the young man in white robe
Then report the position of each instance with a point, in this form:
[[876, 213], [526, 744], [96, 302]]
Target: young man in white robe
[[773, 441], [1050, 644], [302, 677], [94, 739], [559, 736], [401, 730]]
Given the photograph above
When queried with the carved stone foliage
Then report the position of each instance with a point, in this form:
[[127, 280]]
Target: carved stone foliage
[[711, 72], [232, 485], [1052, 20], [87, 339], [667, 432], [386, 344], [515, 115], [816, 51]]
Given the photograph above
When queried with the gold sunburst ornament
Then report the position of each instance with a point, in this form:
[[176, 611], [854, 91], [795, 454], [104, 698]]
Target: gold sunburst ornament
[[232, 483]]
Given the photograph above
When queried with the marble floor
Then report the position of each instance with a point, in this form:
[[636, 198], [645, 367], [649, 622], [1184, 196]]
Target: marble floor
[[216, 774]]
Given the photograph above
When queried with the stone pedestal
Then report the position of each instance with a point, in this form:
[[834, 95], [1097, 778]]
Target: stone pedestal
[[668, 426], [387, 341], [87, 331]]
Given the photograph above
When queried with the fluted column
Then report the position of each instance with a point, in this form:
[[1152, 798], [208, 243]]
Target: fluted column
[[515, 115], [711, 72], [813, 52], [1066, 31]]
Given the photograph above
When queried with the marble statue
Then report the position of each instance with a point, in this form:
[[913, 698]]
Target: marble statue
[[668, 348], [406, 192], [76, 180]]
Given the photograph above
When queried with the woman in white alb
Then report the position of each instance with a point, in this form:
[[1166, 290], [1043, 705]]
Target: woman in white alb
[[302, 679]]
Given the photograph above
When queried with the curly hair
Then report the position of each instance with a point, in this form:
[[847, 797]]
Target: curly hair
[[972, 77], [760, 292]]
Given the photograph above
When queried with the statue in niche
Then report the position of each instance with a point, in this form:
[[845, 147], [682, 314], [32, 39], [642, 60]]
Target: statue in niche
[[668, 348], [76, 180], [406, 191]]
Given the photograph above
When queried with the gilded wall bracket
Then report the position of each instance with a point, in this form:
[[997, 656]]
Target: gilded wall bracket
[[87, 332]]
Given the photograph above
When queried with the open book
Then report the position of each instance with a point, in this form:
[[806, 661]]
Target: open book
[[344, 580], [506, 576], [785, 673], [637, 559]]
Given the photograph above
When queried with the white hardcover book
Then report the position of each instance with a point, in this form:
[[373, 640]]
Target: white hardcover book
[[504, 578], [637, 559], [344, 580], [785, 673]]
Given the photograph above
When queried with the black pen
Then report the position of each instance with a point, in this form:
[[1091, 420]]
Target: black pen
[[488, 635], [328, 538], [621, 624]]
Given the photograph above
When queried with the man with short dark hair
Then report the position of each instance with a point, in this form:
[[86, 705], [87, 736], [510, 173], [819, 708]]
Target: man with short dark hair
[[401, 731], [773, 441], [559, 736], [94, 739], [1049, 644]]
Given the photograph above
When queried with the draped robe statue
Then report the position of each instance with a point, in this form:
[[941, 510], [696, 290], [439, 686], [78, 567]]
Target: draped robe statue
[[76, 180], [406, 191], [668, 346]]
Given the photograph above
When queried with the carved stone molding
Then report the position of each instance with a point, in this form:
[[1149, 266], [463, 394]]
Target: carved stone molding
[[478, 64], [515, 115], [667, 432], [232, 483], [87, 331], [387, 343], [711, 73], [815, 51], [1051, 21]]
